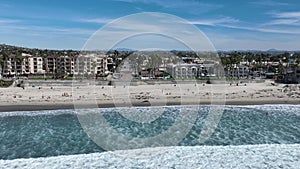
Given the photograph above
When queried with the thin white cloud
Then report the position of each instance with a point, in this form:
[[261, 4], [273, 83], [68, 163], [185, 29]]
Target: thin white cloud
[[95, 20], [288, 15], [214, 22], [269, 3], [192, 6], [228, 22], [6, 21], [154, 27], [266, 30], [173, 4], [227, 43], [44, 31], [285, 18], [284, 22]]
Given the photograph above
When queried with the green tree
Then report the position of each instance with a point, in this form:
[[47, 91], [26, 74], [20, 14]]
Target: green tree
[[3, 60], [280, 69]]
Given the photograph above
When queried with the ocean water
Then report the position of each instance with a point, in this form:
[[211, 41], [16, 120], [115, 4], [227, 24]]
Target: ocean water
[[59, 132]]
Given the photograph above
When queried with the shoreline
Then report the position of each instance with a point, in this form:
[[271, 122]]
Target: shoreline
[[70, 106]]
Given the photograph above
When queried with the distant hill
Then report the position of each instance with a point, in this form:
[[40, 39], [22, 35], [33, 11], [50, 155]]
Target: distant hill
[[15, 50], [272, 50], [9, 49]]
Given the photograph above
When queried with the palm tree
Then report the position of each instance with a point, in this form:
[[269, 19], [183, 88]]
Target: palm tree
[[3, 60], [116, 54], [280, 69], [1, 67]]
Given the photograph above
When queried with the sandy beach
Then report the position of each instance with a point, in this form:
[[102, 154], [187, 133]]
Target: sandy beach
[[65, 97]]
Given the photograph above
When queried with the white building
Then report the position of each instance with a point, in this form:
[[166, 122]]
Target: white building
[[192, 71], [237, 71], [36, 65], [92, 65]]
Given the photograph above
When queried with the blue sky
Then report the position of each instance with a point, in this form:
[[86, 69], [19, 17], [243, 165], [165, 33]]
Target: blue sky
[[230, 25]]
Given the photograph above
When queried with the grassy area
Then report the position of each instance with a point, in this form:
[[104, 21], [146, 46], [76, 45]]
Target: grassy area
[[199, 79], [227, 79], [68, 78], [4, 83], [40, 79]]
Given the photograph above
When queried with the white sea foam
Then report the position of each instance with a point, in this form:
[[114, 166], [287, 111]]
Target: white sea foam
[[37, 113], [71, 111], [287, 108], [278, 106], [247, 156], [269, 107]]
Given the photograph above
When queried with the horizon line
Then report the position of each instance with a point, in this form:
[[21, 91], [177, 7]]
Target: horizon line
[[127, 49]]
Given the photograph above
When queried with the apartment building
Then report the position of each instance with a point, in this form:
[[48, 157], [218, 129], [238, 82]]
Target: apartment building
[[83, 65], [63, 65], [57, 65], [93, 65], [36, 65], [50, 64], [101, 63], [237, 71], [14, 65]]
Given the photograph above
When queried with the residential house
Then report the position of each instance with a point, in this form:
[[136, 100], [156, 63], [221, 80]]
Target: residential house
[[192, 71], [290, 76]]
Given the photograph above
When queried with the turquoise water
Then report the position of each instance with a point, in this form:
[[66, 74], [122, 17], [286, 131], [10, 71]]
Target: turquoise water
[[58, 132]]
